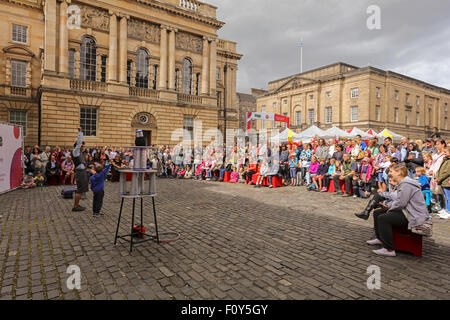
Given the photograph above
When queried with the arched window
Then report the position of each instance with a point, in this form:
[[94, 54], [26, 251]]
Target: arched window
[[187, 76], [88, 59], [142, 68]]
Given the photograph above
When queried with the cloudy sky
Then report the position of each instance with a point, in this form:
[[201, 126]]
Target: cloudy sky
[[414, 38]]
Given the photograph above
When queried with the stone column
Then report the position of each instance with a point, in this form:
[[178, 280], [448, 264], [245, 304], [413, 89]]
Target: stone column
[[112, 57], [50, 35], [213, 67], [205, 65], [163, 59], [172, 59], [63, 38], [123, 49]]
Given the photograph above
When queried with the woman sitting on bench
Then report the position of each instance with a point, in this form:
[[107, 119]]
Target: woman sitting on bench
[[407, 210]]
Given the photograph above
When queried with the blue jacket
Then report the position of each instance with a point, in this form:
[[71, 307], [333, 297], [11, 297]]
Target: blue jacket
[[98, 180]]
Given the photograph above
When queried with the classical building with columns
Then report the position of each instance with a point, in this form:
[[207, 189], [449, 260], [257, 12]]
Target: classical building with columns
[[347, 96], [114, 67]]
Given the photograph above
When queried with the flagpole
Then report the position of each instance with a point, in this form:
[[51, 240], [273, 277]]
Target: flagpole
[[301, 56]]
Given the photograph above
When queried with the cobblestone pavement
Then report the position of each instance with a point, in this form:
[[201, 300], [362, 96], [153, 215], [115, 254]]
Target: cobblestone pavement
[[236, 242]]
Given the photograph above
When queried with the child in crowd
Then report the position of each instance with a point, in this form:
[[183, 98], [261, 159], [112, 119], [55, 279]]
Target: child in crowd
[[329, 175], [234, 178], [421, 176], [262, 174], [293, 167], [98, 186], [241, 174], [318, 179], [312, 172], [28, 181], [428, 162], [189, 172], [362, 181], [181, 173], [39, 180], [199, 170]]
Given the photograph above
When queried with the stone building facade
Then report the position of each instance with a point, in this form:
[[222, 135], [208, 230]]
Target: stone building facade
[[346, 96], [114, 67]]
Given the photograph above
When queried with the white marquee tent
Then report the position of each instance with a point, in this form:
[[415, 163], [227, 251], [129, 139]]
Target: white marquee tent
[[335, 132], [309, 133], [364, 135]]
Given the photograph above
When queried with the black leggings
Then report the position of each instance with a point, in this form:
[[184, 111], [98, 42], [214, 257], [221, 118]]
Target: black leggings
[[383, 223]]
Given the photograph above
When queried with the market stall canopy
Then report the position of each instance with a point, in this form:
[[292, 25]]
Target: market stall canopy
[[335, 132], [387, 133], [364, 135], [372, 132], [286, 135], [309, 133]]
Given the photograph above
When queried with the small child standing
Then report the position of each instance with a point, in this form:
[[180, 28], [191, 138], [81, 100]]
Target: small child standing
[[98, 187], [39, 179]]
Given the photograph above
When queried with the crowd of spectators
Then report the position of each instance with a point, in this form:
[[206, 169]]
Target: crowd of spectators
[[361, 167]]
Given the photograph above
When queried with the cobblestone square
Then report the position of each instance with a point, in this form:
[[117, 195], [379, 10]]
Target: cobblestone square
[[236, 242]]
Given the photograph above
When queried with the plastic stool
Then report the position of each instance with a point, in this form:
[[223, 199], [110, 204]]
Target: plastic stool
[[227, 176]]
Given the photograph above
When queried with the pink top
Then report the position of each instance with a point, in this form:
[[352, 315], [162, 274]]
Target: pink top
[[313, 168], [234, 176]]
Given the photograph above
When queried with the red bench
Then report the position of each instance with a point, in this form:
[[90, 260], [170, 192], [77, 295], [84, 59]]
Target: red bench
[[227, 176], [331, 188], [407, 241]]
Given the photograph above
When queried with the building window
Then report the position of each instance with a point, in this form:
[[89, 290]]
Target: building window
[[285, 123], [217, 73], [142, 68], [88, 59], [177, 78], [19, 118], [396, 115], [88, 121], [18, 73], [429, 117], [417, 100], [328, 94], [328, 115], [188, 126], [445, 109], [155, 76], [311, 97], [354, 93], [407, 98], [354, 114], [129, 67], [187, 76], [417, 118], [298, 118], [274, 106], [197, 84], [407, 117], [378, 92], [377, 113], [311, 116], [103, 71], [219, 98], [72, 63], [396, 95], [19, 33], [445, 123], [285, 101]]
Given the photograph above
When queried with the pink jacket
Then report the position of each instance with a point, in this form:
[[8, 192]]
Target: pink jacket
[[199, 169], [368, 174], [234, 177]]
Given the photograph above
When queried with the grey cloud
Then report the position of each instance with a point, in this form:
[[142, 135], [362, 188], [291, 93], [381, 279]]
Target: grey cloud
[[414, 39]]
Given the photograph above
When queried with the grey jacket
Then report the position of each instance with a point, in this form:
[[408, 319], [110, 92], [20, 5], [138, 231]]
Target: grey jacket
[[322, 152], [410, 197]]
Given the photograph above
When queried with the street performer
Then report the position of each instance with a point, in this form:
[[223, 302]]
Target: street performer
[[81, 176]]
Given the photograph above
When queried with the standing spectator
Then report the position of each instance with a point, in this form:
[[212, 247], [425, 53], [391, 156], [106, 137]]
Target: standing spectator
[[379, 165], [322, 150], [403, 148], [45, 157], [338, 155], [413, 159], [116, 165], [284, 164], [443, 179], [36, 162]]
